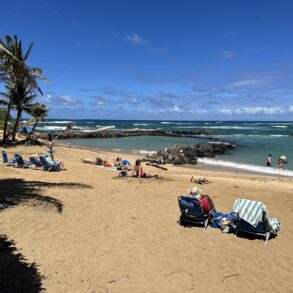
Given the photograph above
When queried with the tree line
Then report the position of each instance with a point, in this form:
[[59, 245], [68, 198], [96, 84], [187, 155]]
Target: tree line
[[20, 85]]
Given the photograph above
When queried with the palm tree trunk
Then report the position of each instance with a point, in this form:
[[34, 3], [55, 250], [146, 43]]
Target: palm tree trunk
[[16, 123], [35, 125], [6, 122]]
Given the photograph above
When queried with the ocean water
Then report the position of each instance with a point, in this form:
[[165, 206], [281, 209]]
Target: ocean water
[[254, 139]]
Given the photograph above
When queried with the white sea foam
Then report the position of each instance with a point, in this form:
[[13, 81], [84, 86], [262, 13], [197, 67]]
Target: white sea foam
[[189, 127], [80, 127], [281, 123], [98, 129], [166, 122], [140, 124], [280, 126], [50, 128], [143, 152], [230, 127], [247, 167], [57, 122], [278, 135], [228, 136], [139, 129]]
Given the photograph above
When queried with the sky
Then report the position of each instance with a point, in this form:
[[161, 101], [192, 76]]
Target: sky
[[179, 60]]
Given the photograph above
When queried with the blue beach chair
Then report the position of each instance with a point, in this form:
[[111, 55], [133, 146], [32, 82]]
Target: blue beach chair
[[192, 212], [20, 162], [252, 218], [48, 166], [260, 230], [34, 161], [6, 160]]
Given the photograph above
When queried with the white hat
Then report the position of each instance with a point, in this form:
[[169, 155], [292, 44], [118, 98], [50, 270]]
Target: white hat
[[283, 158], [195, 192]]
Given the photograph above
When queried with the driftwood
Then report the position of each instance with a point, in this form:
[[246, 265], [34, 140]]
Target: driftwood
[[157, 166], [200, 181]]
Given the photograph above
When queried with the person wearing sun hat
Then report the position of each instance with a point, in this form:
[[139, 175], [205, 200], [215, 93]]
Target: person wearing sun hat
[[206, 201], [282, 161]]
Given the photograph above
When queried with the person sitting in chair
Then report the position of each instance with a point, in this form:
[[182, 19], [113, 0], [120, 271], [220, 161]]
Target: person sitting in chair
[[205, 200]]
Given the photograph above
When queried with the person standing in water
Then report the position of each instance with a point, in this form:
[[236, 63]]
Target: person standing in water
[[269, 160], [50, 145], [281, 162]]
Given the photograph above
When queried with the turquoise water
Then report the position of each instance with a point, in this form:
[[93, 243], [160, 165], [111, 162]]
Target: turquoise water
[[255, 140]]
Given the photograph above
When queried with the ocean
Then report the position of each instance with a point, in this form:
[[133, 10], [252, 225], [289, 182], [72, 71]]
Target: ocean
[[254, 139]]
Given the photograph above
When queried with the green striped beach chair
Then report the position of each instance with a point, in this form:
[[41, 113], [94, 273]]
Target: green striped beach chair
[[253, 218]]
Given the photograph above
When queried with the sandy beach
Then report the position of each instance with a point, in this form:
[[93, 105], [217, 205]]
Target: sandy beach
[[87, 230]]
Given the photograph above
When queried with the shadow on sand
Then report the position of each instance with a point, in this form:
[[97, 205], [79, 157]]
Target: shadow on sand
[[16, 274], [17, 191]]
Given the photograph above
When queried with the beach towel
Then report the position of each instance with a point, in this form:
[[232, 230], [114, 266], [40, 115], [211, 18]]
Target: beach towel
[[252, 212], [107, 168], [249, 210]]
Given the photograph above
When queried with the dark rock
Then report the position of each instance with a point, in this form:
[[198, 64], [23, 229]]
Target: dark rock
[[69, 134], [180, 154]]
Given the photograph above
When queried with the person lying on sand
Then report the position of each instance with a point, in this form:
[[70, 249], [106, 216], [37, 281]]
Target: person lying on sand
[[137, 171], [98, 161], [108, 164], [205, 200]]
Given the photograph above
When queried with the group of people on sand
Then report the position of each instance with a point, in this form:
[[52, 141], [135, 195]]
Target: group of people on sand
[[123, 166], [282, 161], [49, 154]]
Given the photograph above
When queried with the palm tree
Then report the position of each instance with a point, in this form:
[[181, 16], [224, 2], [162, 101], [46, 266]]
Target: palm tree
[[22, 101], [15, 73], [39, 113]]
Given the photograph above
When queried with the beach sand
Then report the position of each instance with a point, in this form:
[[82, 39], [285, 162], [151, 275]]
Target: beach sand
[[85, 230]]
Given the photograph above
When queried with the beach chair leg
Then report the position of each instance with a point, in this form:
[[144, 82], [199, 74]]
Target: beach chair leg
[[206, 222], [268, 234], [236, 232]]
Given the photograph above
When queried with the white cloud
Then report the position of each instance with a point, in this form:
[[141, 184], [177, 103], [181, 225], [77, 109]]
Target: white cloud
[[228, 54], [176, 109], [290, 108], [62, 100], [135, 39], [253, 110], [249, 82], [198, 111], [100, 100], [132, 100]]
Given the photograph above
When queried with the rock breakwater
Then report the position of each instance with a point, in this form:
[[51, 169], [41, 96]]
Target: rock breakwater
[[182, 154], [123, 133]]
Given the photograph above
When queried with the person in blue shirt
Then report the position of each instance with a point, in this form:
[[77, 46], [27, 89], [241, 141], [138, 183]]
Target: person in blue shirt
[[122, 164]]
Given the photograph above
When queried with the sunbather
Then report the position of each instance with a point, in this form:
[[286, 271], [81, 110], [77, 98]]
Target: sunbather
[[51, 162], [206, 201], [97, 161], [122, 164], [137, 171], [107, 164]]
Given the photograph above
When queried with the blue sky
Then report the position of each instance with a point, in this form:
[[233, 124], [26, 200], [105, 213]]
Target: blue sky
[[181, 60]]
